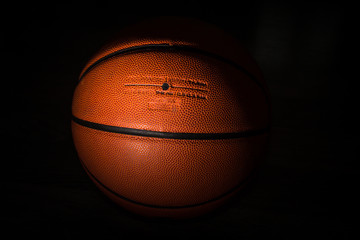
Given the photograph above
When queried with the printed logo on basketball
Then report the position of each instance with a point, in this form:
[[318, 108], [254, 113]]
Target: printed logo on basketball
[[172, 87]]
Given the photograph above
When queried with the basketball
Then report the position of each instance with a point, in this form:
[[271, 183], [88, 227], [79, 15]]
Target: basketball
[[171, 118]]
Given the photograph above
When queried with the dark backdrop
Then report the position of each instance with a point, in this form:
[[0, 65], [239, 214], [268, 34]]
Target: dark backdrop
[[305, 188]]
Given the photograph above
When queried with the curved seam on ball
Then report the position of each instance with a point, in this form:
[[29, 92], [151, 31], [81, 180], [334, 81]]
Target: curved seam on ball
[[168, 207], [164, 46], [169, 135]]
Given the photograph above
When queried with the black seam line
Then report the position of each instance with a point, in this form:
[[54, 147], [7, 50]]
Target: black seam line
[[145, 47], [169, 135], [142, 85], [242, 183], [164, 47]]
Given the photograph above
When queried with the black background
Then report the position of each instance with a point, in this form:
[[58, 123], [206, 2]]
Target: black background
[[305, 188]]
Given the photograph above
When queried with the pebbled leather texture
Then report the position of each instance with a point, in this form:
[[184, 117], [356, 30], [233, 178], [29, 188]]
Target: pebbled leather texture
[[205, 95], [171, 91]]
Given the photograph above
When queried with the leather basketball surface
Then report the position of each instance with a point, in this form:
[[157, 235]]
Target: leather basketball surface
[[168, 122]]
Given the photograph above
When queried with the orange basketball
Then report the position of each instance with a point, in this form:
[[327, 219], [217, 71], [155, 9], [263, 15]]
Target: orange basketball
[[171, 118]]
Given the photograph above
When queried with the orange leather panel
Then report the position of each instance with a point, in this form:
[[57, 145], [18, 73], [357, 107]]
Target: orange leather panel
[[205, 95], [167, 172]]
